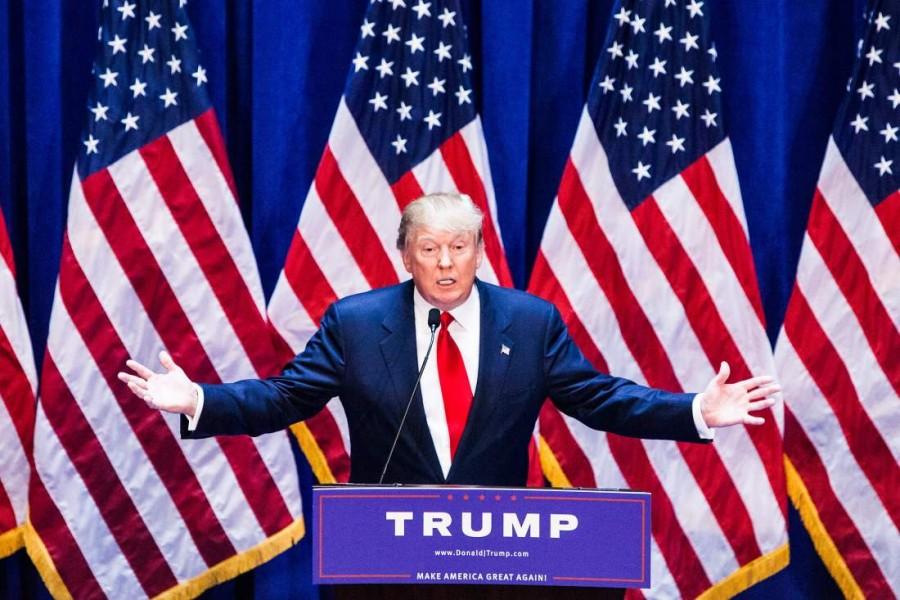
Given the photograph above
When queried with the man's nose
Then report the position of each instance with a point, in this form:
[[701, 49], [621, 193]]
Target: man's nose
[[444, 258]]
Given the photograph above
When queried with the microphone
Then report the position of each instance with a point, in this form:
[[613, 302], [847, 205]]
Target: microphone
[[434, 320]]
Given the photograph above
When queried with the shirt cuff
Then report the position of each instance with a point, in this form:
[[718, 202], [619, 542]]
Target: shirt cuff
[[703, 430], [192, 421]]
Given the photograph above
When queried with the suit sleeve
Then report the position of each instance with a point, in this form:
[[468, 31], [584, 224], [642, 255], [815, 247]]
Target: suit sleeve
[[258, 406], [610, 403]]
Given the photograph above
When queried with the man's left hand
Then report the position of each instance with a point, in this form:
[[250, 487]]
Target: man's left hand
[[723, 404]]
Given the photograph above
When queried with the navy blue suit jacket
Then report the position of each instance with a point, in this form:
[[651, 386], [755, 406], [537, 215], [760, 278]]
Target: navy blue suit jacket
[[365, 353]]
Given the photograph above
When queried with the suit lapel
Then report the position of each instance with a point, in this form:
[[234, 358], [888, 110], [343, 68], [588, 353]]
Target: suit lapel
[[398, 348]]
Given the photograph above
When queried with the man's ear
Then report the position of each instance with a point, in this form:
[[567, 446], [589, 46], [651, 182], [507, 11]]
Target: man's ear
[[480, 256], [407, 260]]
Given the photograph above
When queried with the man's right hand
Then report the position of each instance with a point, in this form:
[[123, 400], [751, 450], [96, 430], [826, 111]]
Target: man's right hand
[[171, 391]]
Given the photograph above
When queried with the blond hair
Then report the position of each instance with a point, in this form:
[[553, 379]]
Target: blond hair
[[445, 211]]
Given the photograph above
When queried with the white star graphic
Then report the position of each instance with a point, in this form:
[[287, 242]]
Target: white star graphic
[[384, 68], [405, 111], [684, 76], [874, 55], [415, 43], [663, 32], [897, 66], [689, 41], [676, 144], [410, 77], [399, 145], [109, 78], [658, 67], [881, 22], [367, 29], [147, 54], [709, 118], [632, 59], [652, 102], [360, 62], [91, 144], [152, 20], [422, 9], [437, 86], [462, 95], [669, 3], [378, 102], [180, 31], [637, 24], [712, 85], [465, 62], [894, 98], [713, 52], [884, 166], [395, 4], [642, 171], [615, 50], [647, 136], [626, 92], [859, 123], [199, 75], [433, 119], [391, 34], [169, 98], [137, 88], [889, 133], [694, 8], [621, 127], [127, 10], [174, 65], [117, 44], [622, 16], [99, 112], [607, 84], [447, 18], [130, 121], [680, 109], [443, 51], [865, 90]]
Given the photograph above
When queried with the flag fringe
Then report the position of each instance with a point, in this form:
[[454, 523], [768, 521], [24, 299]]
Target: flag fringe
[[225, 570], [821, 540], [313, 453], [11, 541]]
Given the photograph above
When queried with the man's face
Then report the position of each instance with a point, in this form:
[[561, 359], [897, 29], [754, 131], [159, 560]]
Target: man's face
[[442, 265]]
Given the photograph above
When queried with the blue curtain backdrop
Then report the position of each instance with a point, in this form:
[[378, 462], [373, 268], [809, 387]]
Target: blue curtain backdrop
[[276, 71]]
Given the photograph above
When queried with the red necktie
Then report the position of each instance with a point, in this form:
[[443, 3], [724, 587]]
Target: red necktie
[[454, 383]]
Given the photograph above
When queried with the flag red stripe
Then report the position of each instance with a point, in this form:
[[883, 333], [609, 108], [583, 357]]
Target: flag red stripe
[[701, 180], [352, 223], [53, 530], [852, 278], [208, 127], [565, 448], [468, 181], [164, 309], [406, 189], [324, 428], [281, 348], [638, 333], [7, 515], [113, 501], [5, 247], [841, 529], [149, 427], [209, 249], [819, 356], [717, 343], [307, 280], [16, 392], [888, 212]]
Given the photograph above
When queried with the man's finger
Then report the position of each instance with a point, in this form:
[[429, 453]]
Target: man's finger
[[754, 382], [166, 360], [751, 420], [763, 391], [139, 368], [724, 372], [761, 404], [133, 379]]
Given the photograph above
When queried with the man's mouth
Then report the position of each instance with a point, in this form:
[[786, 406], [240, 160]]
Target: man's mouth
[[446, 282]]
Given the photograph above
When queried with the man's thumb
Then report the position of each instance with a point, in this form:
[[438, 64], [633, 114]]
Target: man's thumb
[[166, 361], [724, 372]]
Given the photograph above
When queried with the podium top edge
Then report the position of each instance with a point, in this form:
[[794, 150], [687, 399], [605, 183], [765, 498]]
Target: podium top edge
[[394, 486]]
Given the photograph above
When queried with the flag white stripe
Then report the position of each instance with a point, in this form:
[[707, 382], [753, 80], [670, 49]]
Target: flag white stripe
[[15, 326], [89, 530], [858, 220], [473, 135], [721, 159], [14, 469], [272, 448], [875, 393], [215, 194], [141, 341], [340, 419], [850, 486], [114, 434], [289, 317]]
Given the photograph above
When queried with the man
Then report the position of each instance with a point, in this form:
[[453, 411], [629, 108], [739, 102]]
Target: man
[[499, 354]]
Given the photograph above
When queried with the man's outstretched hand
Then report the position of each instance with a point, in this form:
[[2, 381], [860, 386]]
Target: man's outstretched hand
[[171, 391], [723, 404]]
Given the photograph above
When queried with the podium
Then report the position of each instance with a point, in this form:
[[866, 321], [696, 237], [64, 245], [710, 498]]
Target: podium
[[414, 538]]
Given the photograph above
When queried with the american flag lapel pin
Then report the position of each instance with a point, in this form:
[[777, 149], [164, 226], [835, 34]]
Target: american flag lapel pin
[[504, 349]]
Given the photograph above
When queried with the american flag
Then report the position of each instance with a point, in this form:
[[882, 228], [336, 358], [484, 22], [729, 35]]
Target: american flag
[[839, 349], [155, 256], [646, 254], [17, 390], [405, 126]]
